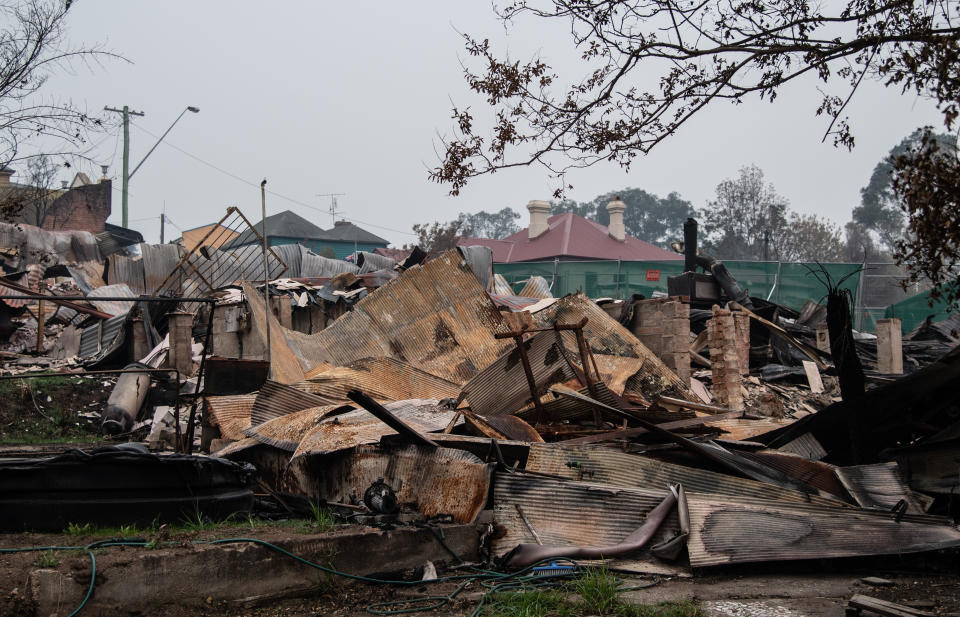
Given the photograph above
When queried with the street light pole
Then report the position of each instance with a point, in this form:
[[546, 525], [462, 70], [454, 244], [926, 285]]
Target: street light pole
[[126, 112], [189, 108]]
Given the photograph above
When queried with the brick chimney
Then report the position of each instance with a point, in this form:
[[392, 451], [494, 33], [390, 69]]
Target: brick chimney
[[616, 228], [5, 174], [539, 212]]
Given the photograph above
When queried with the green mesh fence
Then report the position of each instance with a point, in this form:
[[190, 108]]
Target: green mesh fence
[[792, 284], [913, 311]]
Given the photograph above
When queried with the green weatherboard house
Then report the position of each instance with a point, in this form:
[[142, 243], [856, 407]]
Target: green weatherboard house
[[290, 228]]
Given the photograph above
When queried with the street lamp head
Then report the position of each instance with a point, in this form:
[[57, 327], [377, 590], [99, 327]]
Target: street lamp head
[[193, 109]]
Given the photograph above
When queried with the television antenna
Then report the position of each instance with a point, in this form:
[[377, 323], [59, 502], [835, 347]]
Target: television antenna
[[333, 204]]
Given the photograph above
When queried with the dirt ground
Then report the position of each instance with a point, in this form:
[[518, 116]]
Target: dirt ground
[[809, 589], [52, 409]]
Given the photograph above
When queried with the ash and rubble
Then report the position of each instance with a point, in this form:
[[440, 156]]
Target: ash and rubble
[[661, 435]]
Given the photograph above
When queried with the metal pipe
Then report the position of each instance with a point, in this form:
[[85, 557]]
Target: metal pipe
[[99, 372], [266, 276], [690, 245], [109, 299]]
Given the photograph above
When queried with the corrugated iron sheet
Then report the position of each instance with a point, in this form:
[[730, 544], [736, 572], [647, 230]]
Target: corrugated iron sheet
[[128, 271], [275, 400], [102, 339], [371, 262], [881, 486], [817, 474], [435, 481], [360, 427], [31, 279], [567, 513], [501, 287], [608, 466], [536, 287], [743, 530], [385, 379], [435, 317], [607, 337], [805, 445], [480, 260], [502, 387], [231, 413], [313, 265], [120, 290], [158, 260], [39, 246], [286, 431], [741, 429]]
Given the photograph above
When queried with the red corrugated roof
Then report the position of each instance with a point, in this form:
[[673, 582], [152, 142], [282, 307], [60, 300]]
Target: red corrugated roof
[[570, 235]]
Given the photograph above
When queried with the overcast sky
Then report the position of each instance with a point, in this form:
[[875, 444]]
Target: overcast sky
[[349, 98]]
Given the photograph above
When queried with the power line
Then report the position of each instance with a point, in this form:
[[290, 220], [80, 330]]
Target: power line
[[275, 194]]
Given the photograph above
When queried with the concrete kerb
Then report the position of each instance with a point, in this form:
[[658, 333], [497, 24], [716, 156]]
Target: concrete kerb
[[241, 573]]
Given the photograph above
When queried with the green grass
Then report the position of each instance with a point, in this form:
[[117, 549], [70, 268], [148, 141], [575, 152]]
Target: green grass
[[47, 559], [595, 593], [76, 529], [323, 518]]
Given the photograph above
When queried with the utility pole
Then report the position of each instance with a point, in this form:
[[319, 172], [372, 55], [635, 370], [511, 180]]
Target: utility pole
[[126, 112], [333, 205], [161, 227]]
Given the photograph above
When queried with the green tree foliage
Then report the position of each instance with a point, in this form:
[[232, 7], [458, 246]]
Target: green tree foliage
[[925, 178], [746, 218], [495, 225], [880, 211], [750, 220]]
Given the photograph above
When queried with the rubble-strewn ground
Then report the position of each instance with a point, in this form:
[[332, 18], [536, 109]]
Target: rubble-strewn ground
[[52, 409]]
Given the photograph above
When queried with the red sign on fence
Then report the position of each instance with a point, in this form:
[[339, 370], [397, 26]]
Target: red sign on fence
[[653, 275]]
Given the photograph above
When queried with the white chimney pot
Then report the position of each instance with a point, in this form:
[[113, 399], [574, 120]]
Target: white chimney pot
[[539, 212], [616, 209]]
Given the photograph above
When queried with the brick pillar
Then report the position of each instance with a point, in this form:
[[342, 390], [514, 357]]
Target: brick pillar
[[181, 342], [741, 323], [663, 326], [725, 359], [889, 346]]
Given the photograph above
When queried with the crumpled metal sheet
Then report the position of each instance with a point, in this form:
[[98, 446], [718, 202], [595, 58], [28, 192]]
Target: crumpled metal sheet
[[742, 530], [385, 379], [276, 399], [565, 513], [30, 279], [286, 431], [127, 271], [608, 466], [501, 287], [115, 307], [371, 262], [436, 481], [436, 317], [102, 339], [39, 246], [502, 387], [360, 427], [159, 260], [230, 413], [881, 486], [606, 336], [480, 260], [536, 287], [317, 266]]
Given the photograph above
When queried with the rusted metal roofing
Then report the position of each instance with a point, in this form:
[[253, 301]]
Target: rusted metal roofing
[[230, 413], [742, 429], [606, 336], [501, 287], [502, 387], [536, 287], [119, 290], [805, 445], [741, 530], [435, 481], [385, 379], [360, 427], [817, 474], [436, 317], [881, 486], [608, 466], [39, 246], [286, 431], [275, 400], [371, 262], [30, 279], [564, 513]]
